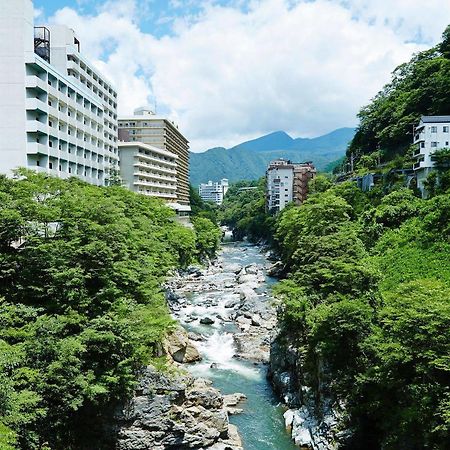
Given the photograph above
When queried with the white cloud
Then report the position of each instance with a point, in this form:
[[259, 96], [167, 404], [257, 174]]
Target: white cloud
[[229, 74]]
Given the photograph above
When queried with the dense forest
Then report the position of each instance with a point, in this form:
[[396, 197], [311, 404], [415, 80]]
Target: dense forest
[[243, 211], [367, 303], [82, 310]]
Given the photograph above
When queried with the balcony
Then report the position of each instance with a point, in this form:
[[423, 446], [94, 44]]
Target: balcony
[[158, 194], [419, 165], [419, 137], [34, 148], [34, 104], [154, 176], [34, 126], [169, 187]]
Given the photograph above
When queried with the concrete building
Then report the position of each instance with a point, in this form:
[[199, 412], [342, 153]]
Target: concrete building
[[287, 182], [158, 132], [213, 192], [58, 114], [149, 170], [432, 133]]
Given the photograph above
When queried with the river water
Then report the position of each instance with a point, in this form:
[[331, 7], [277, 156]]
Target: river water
[[261, 424]]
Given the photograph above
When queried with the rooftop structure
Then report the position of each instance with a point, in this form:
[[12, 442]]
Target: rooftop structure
[[159, 132], [213, 192], [287, 182], [432, 133], [57, 112]]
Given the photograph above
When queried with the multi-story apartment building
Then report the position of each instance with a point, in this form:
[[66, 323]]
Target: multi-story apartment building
[[149, 170], [213, 192], [432, 133], [58, 114], [146, 127], [287, 182]]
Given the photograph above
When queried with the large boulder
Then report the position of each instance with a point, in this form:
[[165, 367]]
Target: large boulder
[[178, 345]]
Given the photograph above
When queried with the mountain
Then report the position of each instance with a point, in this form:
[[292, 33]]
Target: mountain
[[249, 160]]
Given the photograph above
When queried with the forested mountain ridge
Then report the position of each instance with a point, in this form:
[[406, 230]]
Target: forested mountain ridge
[[249, 160], [418, 87]]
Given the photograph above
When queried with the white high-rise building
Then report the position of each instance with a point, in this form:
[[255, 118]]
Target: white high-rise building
[[432, 133], [213, 192], [58, 114]]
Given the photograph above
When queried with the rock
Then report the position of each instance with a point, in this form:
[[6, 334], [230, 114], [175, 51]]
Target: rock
[[247, 293], [252, 269], [248, 278], [203, 394], [276, 270], [175, 412], [195, 336], [233, 268], [180, 348], [232, 303], [194, 271], [256, 321], [233, 399], [206, 321]]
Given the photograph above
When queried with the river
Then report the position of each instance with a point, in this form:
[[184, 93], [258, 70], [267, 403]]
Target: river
[[261, 424]]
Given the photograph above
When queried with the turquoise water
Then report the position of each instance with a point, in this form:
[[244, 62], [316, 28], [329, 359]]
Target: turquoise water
[[261, 425]]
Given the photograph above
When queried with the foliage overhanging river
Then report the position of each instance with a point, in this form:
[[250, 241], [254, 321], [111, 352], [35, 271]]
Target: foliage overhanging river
[[261, 424]]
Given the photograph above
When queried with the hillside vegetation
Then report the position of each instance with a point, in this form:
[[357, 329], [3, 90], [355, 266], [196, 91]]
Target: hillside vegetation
[[367, 304], [81, 306]]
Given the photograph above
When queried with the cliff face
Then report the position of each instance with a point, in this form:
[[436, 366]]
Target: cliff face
[[314, 418], [175, 412]]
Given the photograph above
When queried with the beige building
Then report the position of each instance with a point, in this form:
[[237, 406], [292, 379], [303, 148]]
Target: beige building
[[149, 170], [157, 132]]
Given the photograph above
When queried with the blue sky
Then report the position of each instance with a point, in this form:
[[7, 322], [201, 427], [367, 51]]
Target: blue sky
[[156, 15], [231, 70]]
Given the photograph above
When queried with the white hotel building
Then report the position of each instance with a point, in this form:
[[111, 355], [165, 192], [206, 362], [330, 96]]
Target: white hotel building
[[432, 133], [213, 192], [58, 115]]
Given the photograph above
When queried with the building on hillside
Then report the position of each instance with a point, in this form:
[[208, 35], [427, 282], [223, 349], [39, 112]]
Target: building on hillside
[[58, 114], [213, 192], [432, 133], [287, 182], [158, 132], [149, 170]]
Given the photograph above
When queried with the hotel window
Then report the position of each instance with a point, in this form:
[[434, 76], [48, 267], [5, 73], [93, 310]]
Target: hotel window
[[50, 165], [433, 129], [434, 144], [445, 129]]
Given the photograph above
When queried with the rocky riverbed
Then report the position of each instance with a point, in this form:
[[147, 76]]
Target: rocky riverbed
[[224, 401]]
